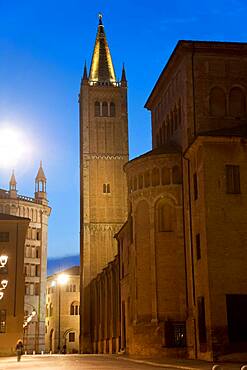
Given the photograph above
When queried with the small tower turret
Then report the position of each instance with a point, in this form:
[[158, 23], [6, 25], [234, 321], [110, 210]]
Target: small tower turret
[[123, 78], [12, 186], [85, 76], [40, 185]]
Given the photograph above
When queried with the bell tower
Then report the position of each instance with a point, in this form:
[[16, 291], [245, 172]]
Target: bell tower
[[103, 153]]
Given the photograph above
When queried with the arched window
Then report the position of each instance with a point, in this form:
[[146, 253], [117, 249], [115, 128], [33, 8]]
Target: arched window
[[112, 109], [155, 177], [46, 311], [51, 309], [104, 109], [97, 109], [147, 179], [176, 175], [74, 308], [237, 104], [165, 217], [165, 176], [217, 102]]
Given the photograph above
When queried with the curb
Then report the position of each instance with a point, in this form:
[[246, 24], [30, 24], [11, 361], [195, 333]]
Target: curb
[[156, 364]]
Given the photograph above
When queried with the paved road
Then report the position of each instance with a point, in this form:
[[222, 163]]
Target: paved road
[[74, 362]]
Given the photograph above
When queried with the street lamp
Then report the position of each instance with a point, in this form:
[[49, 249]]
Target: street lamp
[[4, 282], [61, 280]]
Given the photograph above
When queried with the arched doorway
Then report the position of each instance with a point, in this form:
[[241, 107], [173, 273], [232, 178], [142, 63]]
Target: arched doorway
[[51, 341], [71, 340]]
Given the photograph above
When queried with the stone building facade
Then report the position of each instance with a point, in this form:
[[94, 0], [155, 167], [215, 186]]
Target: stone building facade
[[62, 312], [199, 103], [12, 238], [103, 152], [35, 253]]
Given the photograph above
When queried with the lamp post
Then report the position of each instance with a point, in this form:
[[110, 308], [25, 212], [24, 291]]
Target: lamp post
[[61, 280], [4, 282]]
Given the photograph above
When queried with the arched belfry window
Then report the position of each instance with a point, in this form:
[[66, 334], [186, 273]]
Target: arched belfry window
[[165, 176], [97, 109], [104, 109], [74, 308], [217, 102], [112, 109], [237, 104]]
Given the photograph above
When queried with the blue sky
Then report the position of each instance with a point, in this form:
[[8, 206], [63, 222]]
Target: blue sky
[[43, 46]]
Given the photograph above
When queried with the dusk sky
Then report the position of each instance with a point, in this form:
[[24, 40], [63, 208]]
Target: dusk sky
[[43, 47]]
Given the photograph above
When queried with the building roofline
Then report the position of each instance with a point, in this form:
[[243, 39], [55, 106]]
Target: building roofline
[[192, 45]]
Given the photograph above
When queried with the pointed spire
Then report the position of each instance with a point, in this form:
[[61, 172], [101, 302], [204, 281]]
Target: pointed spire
[[12, 181], [12, 186], [102, 69], [123, 77], [85, 78], [40, 175]]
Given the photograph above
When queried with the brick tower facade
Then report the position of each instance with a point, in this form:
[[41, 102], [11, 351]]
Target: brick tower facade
[[103, 152]]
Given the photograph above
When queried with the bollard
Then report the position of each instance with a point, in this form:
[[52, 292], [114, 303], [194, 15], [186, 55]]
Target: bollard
[[216, 367], [25, 352], [50, 352], [33, 352], [244, 367], [42, 352]]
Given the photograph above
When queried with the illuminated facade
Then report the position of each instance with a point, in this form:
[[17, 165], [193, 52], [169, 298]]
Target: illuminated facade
[[12, 238], [35, 254], [103, 152], [67, 314]]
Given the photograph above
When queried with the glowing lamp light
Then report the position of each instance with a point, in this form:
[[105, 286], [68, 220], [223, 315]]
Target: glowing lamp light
[[33, 313], [3, 260], [1, 295], [62, 279], [53, 283], [4, 283]]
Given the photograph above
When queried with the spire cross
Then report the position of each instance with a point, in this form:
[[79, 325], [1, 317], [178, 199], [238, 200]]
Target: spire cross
[[100, 18]]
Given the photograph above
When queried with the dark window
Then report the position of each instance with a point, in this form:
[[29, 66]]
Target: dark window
[[175, 335], [195, 186], [176, 175], [71, 337], [236, 317], [4, 236], [104, 109], [140, 181], [165, 176], [97, 109], [2, 321], [237, 105], [36, 289], [74, 308], [37, 270], [232, 179], [217, 102], [201, 320], [106, 188], [198, 246], [147, 179], [38, 235], [74, 288], [155, 177], [112, 109]]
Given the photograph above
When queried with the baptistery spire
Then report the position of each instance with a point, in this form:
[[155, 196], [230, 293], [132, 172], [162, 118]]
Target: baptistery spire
[[102, 69]]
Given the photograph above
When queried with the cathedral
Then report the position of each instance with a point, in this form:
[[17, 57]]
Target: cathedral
[[163, 258]]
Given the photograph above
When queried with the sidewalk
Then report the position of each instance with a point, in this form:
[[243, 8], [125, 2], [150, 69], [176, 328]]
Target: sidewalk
[[181, 364]]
